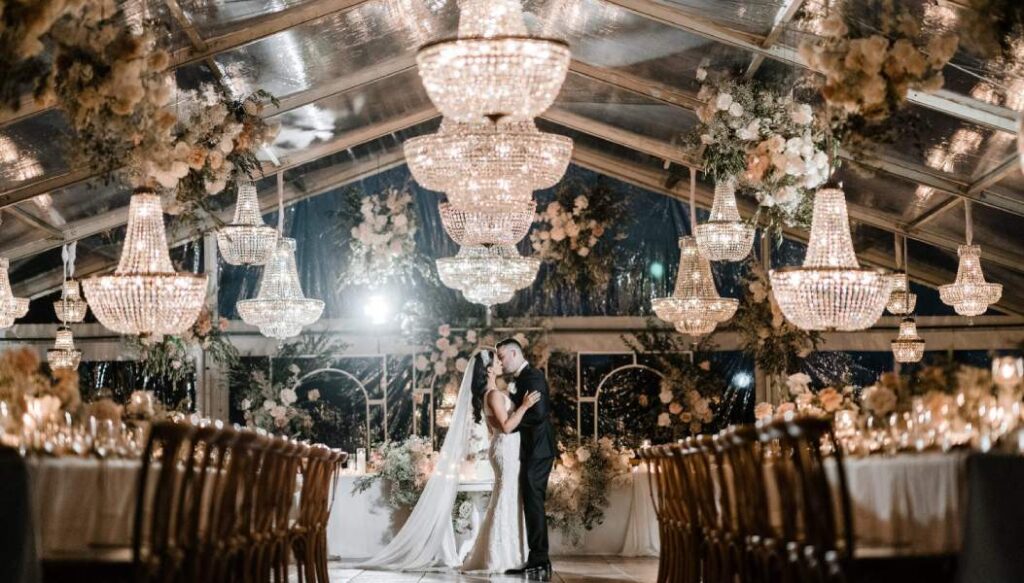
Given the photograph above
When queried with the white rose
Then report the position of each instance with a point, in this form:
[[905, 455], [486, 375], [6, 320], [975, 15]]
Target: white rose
[[665, 396], [422, 363], [763, 411], [278, 412], [288, 396], [582, 454], [269, 405], [440, 368], [460, 364], [444, 330], [583, 251], [706, 139], [802, 114], [664, 420], [702, 73], [293, 368], [723, 101], [736, 110], [245, 404], [471, 336], [798, 383], [313, 395]]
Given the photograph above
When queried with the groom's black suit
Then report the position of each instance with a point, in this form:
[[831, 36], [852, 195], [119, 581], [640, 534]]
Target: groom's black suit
[[537, 452]]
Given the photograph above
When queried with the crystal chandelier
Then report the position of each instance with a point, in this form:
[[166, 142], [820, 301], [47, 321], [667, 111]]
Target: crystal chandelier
[[725, 237], [488, 165], [970, 295], [145, 295], [11, 308], [695, 308], [493, 70], [64, 355], [280, 309], [474, 227], [901, 301], [71, 307], [908, 346], [247, 240], [488, 275], [831, 291]]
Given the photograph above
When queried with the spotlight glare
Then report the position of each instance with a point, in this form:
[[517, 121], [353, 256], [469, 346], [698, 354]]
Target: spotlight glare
[[377, 310], [742, 380], [657, 270]]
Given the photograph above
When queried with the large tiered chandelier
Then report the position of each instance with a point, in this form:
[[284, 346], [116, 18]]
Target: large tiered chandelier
[[247, 240], [145, 295], [11, 308], [488, 275], [725, 237], [493, 70], [280, 309], [64, 355], [695, 308], [488, 165], [830, 291], [970, 295], [908, 346], [474, 227]]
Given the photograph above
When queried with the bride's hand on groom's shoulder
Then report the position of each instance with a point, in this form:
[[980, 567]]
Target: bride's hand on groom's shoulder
[[531, 399]]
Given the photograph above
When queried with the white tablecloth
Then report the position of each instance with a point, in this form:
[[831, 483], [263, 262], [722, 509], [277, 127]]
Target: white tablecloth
[[910, 502], [362, 524], [82, 504]]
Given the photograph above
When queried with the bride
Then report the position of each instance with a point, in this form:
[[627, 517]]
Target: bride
[[427, 539]]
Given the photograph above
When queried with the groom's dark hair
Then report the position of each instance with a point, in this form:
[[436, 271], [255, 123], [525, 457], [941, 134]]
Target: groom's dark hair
[[511, 342]]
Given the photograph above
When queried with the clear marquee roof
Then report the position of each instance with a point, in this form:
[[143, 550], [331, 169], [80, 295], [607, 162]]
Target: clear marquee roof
[[350, 94]]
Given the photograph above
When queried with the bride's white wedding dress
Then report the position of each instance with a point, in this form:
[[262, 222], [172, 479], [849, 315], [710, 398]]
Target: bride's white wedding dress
[[501, 542]]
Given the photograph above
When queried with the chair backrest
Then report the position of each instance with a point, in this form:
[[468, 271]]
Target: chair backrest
[[812, 441], [781, 472], [743, 450]]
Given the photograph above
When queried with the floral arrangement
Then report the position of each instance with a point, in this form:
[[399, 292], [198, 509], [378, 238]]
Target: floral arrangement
[[574, 235], [872, 55], [776, 345], [806, 401], [579, 484], [22, 376], [686, 409], [990, 28], [772, 144], [383, 237], [273, 405], [879, 399], [168, 357], [405, 466]]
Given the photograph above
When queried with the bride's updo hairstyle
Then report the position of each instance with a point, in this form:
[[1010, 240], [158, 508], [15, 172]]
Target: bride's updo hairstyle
[[481, 362]]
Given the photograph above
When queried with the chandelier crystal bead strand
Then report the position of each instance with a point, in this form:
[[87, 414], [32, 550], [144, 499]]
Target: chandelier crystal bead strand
[[831, 291], [247, 240], [64, 355], [11, 308], [488, 275], [725, 237], [145, 295], [493, 70], [970, 295]]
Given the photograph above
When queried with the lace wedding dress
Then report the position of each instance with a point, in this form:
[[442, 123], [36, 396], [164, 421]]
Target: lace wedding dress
[[501, 542]]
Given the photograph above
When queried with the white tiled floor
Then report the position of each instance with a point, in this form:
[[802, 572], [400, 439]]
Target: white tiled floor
[[567, 570]]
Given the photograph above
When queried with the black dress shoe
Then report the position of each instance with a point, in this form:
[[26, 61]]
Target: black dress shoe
[[540, 572], [518, 570]]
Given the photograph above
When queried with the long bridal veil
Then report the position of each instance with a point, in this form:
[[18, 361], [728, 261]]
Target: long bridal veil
[[427, 540]]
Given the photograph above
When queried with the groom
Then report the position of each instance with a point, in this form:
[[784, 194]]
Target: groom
[[536, 455]]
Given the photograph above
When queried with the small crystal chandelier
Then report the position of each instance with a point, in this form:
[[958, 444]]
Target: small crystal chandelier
[[280, 309], [64, 355], [695, 308], [488, 166], [145, 295], [908, 346], [830, 291], [493, 70], [11, 308], [970, 295], [901, 301], [474, 227], [725, 237], [71, 307], [488, 275], [247, 240]]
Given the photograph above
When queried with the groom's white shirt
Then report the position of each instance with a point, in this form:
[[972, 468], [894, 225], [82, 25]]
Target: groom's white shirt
[[515, 375]]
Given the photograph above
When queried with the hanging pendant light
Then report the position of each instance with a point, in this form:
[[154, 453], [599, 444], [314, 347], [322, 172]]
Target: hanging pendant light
[[471, 227], [64, 355], [901, 301], [145, 295], [11, 308], [493, 70], [830, 291], [725, 237], [694, 308], [970, 295], [908, 346], [280, 309], [247, 240], [488, 275], [70, 307]]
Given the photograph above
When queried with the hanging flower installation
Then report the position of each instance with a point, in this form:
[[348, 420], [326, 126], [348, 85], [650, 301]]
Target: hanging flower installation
[[145, 295], [247, 240], [908, 346], [382, 241], [493, 70], [771, 144], [695, 308], [725, 237], [11, 308], [831, 291]]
